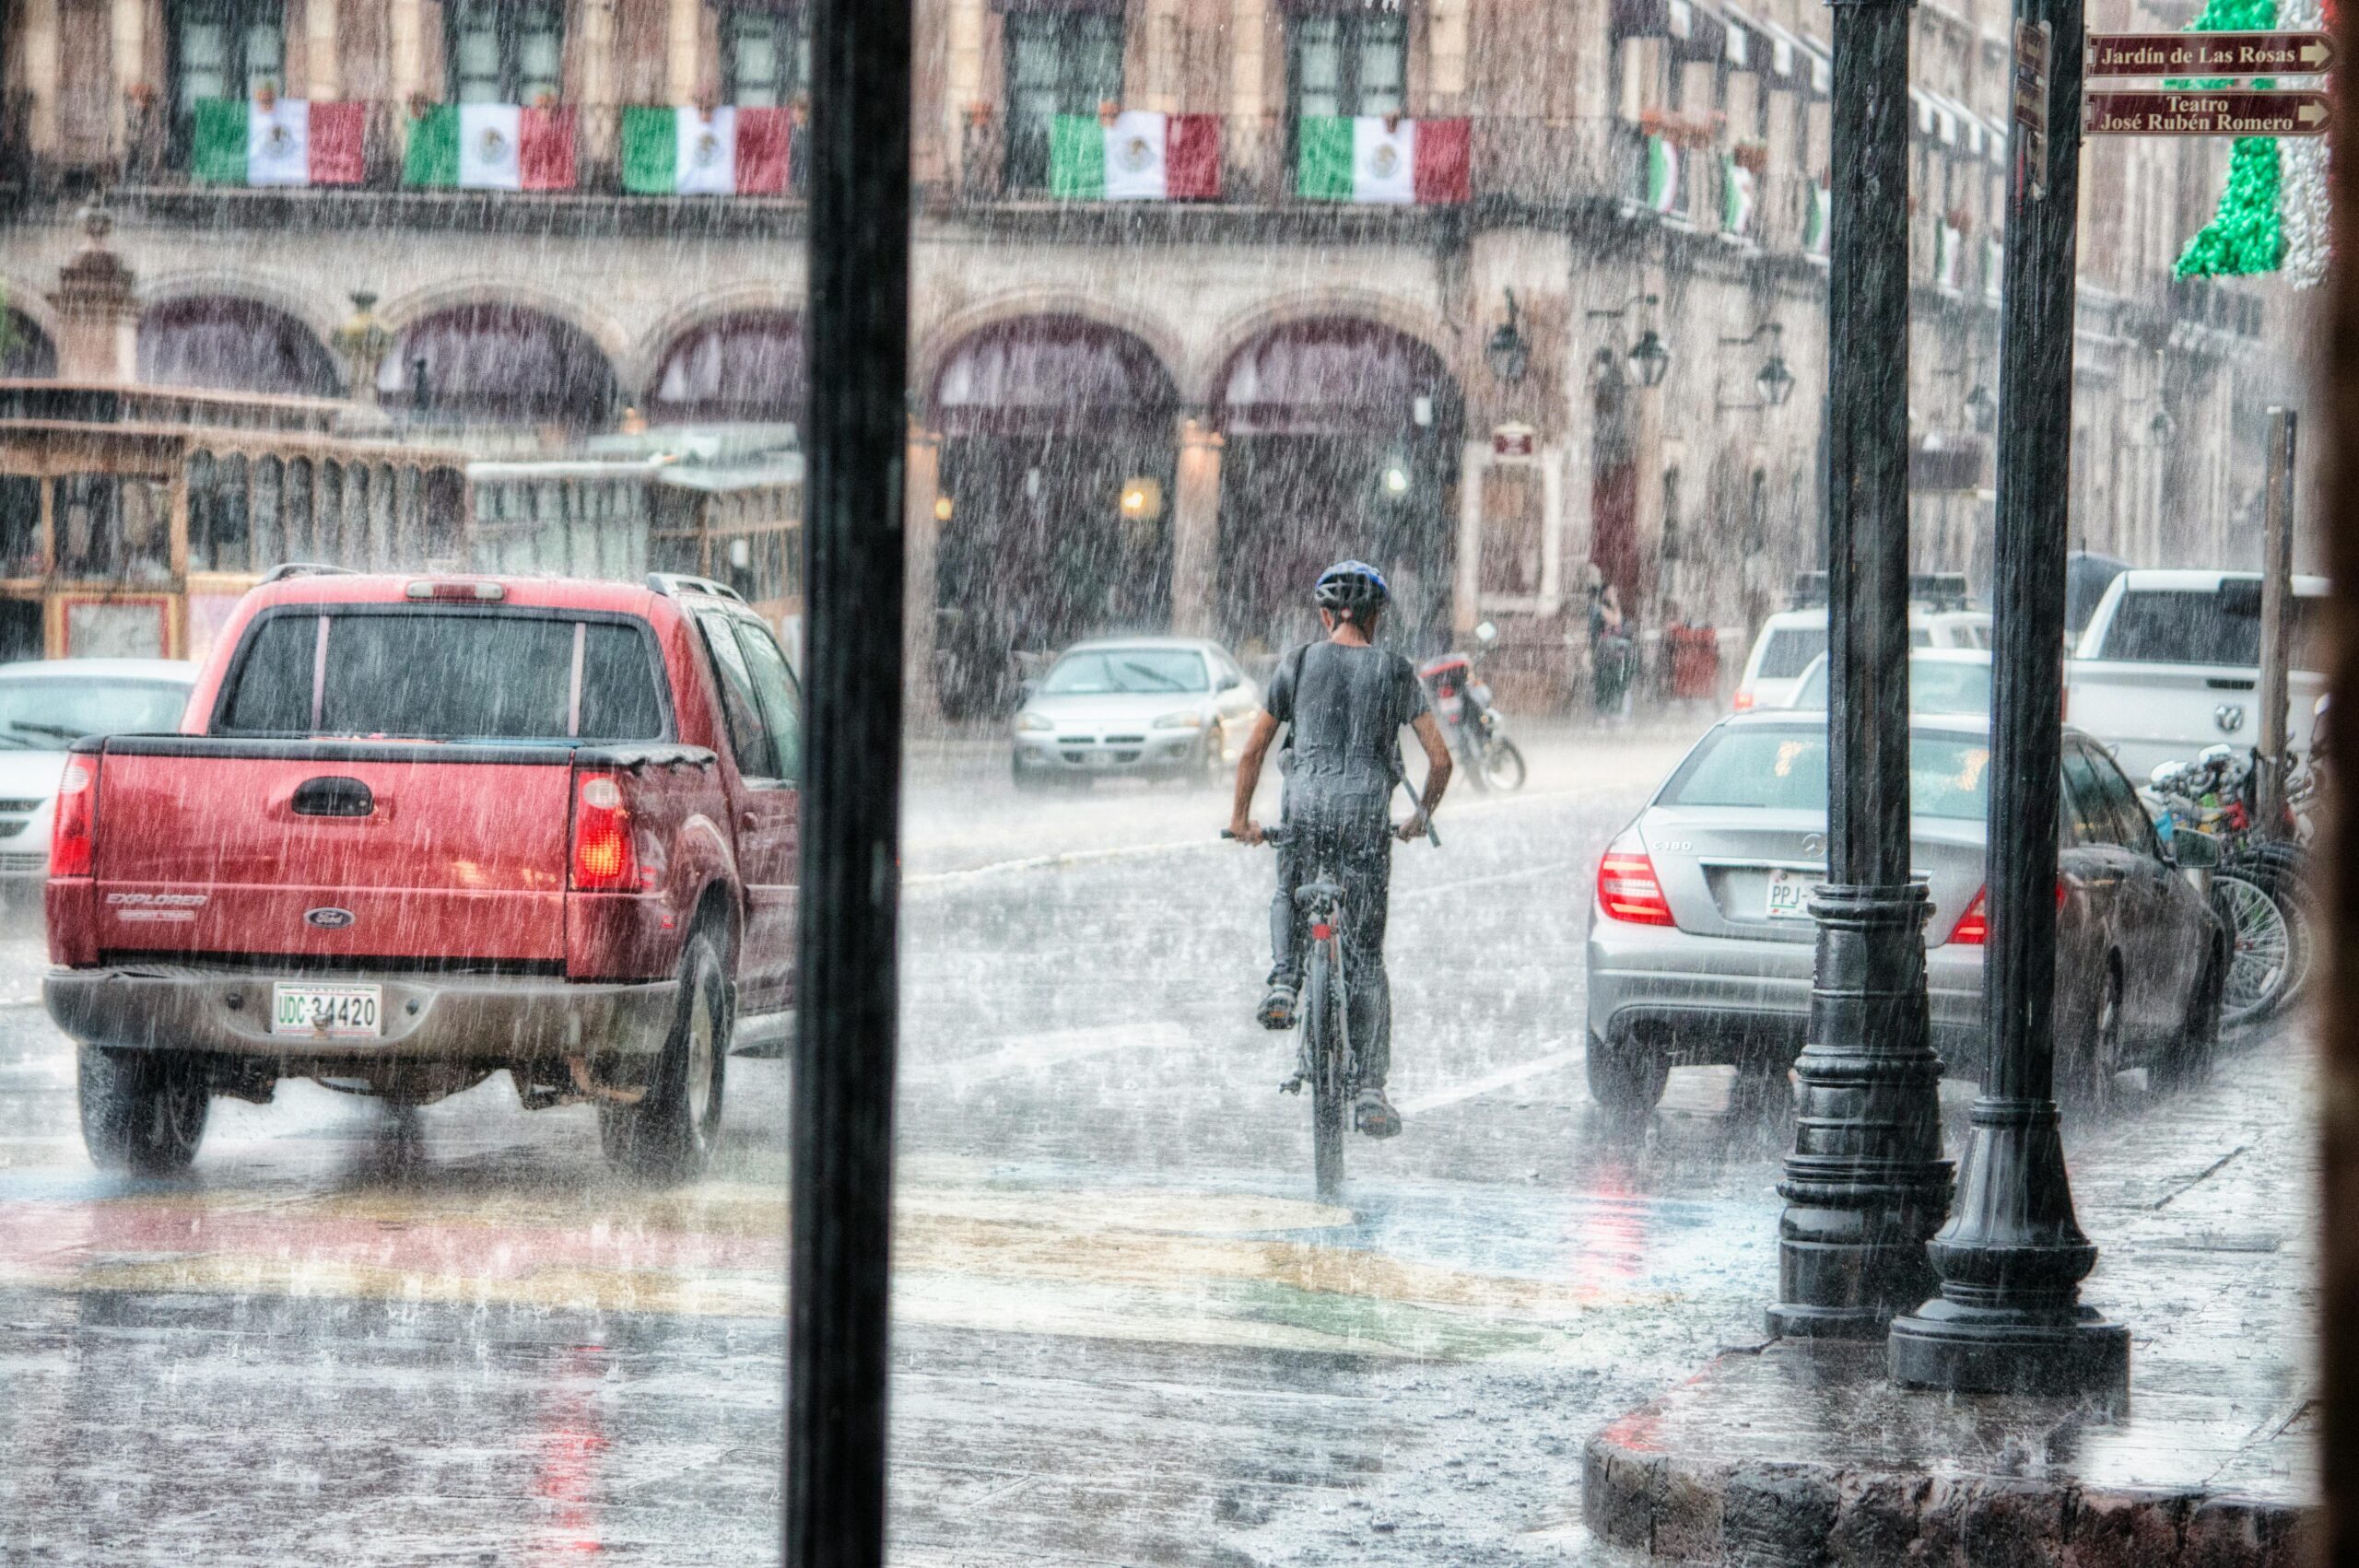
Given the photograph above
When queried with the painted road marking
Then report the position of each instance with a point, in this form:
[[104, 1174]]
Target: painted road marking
[[1491, 1083], [1028, 1052]]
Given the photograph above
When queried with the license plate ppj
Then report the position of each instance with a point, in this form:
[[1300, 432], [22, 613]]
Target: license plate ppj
[[1789, 894]]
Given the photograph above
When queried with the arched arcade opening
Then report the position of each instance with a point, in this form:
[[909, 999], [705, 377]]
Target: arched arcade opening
[[497, 364], [233, 345], [1058, 440], [743, 368], [1342, 439]]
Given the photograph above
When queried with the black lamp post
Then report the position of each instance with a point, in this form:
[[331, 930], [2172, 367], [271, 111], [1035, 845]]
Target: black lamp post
[[2012, 1257], [1865, 1185], [1508, 352]]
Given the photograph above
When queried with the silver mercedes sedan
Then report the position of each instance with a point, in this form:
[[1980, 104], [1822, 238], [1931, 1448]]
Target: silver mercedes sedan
[[1162, 707], [1701, 940]]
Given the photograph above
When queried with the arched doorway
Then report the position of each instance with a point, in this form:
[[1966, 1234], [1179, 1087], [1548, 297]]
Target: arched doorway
[[235, 345], [1057, 451], [26, 353], [1343, 439], [499, 365], [742, 367]]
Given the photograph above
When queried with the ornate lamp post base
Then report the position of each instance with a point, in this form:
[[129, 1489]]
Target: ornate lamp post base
[[1866, 1184], [2008, 1319]]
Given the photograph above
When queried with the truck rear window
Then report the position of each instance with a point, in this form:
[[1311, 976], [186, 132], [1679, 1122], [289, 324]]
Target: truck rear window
[[445, 676], [2190, 626], [1790, 651]]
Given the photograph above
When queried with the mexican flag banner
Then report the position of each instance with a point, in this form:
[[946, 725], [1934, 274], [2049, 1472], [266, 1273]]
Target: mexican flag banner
[[1376, 158], [693, 152], [277, 141], [1736, 197], [1136, 156], [490, 147], [1663, 175], [2273, 217], [1818, 220]]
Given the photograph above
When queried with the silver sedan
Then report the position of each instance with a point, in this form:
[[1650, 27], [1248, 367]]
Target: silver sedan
[[1162, 707], [1701, 942]]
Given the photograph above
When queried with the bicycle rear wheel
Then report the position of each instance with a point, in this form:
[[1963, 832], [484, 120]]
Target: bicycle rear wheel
[[1322, 1046]]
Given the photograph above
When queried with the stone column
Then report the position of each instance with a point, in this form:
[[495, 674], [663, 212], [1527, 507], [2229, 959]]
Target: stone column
[[1196, 526], [407, 33], [36, 24], [1241, 136], [598, 55], [130, 66], [98, 316], [684, 70], [322, 69], [1466, 600], [922, 530]]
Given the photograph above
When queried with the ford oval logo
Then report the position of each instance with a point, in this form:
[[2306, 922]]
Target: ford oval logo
[[330, 919]]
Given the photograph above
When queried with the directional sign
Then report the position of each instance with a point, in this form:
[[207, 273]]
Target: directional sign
[[2209, 54], [2034, 49], [2204, 114]]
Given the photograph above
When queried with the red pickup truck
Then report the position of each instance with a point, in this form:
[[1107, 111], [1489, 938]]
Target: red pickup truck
[[415, 830]]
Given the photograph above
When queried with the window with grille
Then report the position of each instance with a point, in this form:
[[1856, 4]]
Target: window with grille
[[765, 54], [1059, 62], [225, 48], [1348, 63], [506, 50]]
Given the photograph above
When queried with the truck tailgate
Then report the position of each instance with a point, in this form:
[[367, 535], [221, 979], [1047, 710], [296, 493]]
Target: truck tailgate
[[333, 851], [2150, 713]]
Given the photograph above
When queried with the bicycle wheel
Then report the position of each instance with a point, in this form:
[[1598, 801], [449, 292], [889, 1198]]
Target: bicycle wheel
[[2262, 958], [1322, 1045]]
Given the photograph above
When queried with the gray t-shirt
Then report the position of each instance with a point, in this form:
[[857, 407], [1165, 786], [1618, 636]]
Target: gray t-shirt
[[1344, 708]]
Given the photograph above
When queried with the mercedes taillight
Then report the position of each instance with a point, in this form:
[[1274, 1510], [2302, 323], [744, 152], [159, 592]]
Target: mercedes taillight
[[1627, 887]]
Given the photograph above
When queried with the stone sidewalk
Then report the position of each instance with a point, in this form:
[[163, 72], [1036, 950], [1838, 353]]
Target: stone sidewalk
[[2203, 1205]]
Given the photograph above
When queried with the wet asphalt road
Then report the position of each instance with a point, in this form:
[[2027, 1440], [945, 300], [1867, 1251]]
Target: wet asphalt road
[[1125, 1333]]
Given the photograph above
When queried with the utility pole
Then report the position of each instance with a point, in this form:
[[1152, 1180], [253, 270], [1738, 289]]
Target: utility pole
[[2276, 625], [845, 1045], [2013, 1257], [1865, 1185]]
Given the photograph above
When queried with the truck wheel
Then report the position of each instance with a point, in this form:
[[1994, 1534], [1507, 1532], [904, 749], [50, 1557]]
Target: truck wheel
[[1626, 1078], [142, 1111], [670, 1135]]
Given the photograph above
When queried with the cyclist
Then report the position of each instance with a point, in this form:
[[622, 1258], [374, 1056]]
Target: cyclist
[[1344, 702]]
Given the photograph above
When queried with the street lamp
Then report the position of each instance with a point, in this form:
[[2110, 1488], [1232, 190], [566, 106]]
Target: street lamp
[[1649, 357], [1866, 1185], [2163, 426], [1984, 407], [1508, 352], [1775, 381]]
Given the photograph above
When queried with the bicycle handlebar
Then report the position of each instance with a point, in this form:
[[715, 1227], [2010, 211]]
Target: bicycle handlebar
[[1276, 836]]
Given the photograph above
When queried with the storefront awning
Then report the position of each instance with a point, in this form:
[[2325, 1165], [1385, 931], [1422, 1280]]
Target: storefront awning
[[1694, 30]]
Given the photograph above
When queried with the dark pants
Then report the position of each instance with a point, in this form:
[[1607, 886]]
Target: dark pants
[[1349, 837]]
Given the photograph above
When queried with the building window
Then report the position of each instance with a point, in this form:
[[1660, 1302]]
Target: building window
[[1348, 63], [1059, 62], [506, 50], [225, 49], [765, 54]]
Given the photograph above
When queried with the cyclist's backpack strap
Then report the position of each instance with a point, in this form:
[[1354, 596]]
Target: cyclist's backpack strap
[[1290, 668]]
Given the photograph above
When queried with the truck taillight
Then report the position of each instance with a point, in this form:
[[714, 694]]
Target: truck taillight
[[70, 841], [1626, 889], [1743, 701], [603, 860]]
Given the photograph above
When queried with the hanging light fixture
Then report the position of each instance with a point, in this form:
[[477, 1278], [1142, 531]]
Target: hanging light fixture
[[1776, 382], [1508, 352], [1984, 407], [1650, 360]]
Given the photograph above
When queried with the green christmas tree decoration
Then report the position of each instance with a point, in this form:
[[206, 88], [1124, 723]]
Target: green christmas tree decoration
[[2246, 235]]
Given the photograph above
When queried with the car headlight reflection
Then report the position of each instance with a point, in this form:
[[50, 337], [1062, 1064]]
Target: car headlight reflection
[[1188, 719]]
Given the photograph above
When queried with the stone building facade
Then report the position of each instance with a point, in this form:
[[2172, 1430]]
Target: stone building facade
[[1160, 414]]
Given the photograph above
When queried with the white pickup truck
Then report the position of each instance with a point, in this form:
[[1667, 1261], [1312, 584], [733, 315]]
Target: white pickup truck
[[2170, 664]]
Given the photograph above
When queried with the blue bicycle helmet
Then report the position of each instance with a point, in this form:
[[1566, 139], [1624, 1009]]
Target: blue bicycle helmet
[[1351, 588]]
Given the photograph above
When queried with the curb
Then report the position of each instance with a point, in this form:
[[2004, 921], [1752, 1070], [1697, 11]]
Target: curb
[[1799, 1514]]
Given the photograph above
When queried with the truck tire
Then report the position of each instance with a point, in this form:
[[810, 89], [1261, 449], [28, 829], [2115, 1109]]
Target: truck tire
[[671, 1133], [142, 1111], [1626, 1078]]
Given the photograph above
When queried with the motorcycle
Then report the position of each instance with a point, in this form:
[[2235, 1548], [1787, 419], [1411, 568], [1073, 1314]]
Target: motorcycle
[[1476, 732], [2261, 886]]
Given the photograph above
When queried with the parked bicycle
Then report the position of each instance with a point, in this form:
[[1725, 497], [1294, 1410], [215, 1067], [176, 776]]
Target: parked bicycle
[[1325, 1058], [2261, 886]]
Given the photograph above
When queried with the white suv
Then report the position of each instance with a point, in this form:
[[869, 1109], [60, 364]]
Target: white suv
[[1791, 639]]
